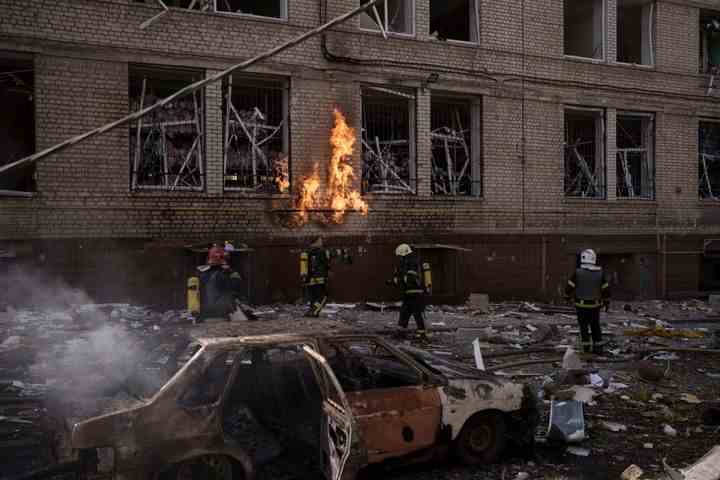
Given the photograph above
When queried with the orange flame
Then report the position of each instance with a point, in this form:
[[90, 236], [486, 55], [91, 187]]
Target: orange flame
[[340, 196]]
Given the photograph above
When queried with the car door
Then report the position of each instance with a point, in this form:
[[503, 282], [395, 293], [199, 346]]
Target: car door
[[337, 434], [396, 410]]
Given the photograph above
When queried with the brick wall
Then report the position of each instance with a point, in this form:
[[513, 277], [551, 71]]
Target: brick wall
[[82, 49]]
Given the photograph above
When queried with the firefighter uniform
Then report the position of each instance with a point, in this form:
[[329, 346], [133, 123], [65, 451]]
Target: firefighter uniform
[[413, 278], [215, 289], [591, 291], [314, 270]]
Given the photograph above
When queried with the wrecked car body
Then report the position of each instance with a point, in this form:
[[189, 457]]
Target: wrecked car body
[[242, 404]]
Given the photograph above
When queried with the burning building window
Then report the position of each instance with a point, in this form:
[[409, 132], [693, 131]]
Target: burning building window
[[17, 122], [635, 155], [388, 140], [635, 31], [584, 32], [709, 158], [256, 135], [584, 152], [455, 20], [166, 146], [261, 8], [455, 135], [394, 16], [709, 41]]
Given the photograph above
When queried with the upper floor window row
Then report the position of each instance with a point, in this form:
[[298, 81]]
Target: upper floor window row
[[260, 8], [585, 32]]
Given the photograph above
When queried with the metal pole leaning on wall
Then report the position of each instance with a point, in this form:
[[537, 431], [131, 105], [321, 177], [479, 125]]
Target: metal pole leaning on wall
[[188, 89]]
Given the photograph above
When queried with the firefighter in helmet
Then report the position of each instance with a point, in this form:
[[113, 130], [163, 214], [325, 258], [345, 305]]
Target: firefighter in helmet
[[314, 270], [591, 291], [213, 293], [415, 281]]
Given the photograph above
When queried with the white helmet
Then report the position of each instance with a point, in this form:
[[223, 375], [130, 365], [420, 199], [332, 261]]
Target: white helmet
[[588, 257], [403, 250]]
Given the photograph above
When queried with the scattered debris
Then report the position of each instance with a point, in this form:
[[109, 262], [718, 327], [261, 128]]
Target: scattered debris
[[633, 472], [567, 422], [578, 451], [690, 398], [668, 430], [614, 427], [663, 332], [707, 468]]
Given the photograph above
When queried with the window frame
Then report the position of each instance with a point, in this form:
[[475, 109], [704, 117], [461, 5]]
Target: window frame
[[475, 105], [601, 148], [284, 12], [652, 39], [604, 34], [286, 86], [22, 58], [412, 140], [201, 126], [413, 20], [651, 152], [710, 198], [476, 7]]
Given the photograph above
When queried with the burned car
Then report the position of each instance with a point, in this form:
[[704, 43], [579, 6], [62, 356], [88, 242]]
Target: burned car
[[243, 407]]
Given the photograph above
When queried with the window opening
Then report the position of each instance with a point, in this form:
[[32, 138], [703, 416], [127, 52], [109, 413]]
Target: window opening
[[455, 20], [709, 41], [210, 386], [166, 146], [584, 28], [584, 153], [709, 158], [635, 31], [256, 135], [17, 123], [635, 156], [262, 8], [455, 136], [394, 15], [366, 365], [388, 140]]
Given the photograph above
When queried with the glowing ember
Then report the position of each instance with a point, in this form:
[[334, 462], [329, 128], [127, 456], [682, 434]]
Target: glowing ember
[[282, 179], [340, 196]]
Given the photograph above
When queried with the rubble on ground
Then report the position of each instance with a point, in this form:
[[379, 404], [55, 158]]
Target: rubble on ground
[[55, 369]]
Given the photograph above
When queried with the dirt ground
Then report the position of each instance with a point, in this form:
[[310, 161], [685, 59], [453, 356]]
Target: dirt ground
[[58, 366]]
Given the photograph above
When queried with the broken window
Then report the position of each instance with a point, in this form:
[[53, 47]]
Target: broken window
[[709, 158], [584, 152], [455, 136], [17, 122], [208, 388], [394, 16], [388, 140], [635, 31], [262, 8], [256, 135], [709, 41], [166, 146], [584, 28], [455, 20], [635, 155]]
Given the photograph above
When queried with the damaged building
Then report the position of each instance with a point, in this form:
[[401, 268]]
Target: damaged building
[[502, 138]]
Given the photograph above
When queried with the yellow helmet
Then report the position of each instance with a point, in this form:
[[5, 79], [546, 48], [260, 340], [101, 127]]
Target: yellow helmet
[[403, 250]]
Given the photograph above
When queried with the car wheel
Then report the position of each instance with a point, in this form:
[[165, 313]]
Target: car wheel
[[210, 467], [482, 439]]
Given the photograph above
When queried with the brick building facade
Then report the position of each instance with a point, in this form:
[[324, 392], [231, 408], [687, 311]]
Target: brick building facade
[[545, 88]]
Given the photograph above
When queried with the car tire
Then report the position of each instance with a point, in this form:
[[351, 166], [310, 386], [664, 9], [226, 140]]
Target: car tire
[[482, 439], [207, 467]]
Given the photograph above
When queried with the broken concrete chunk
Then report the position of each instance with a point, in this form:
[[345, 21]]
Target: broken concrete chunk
[[633, 472], [707, 468], [571, 360], [614, 427], [578, 451], [668, 430], [690, 398]]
